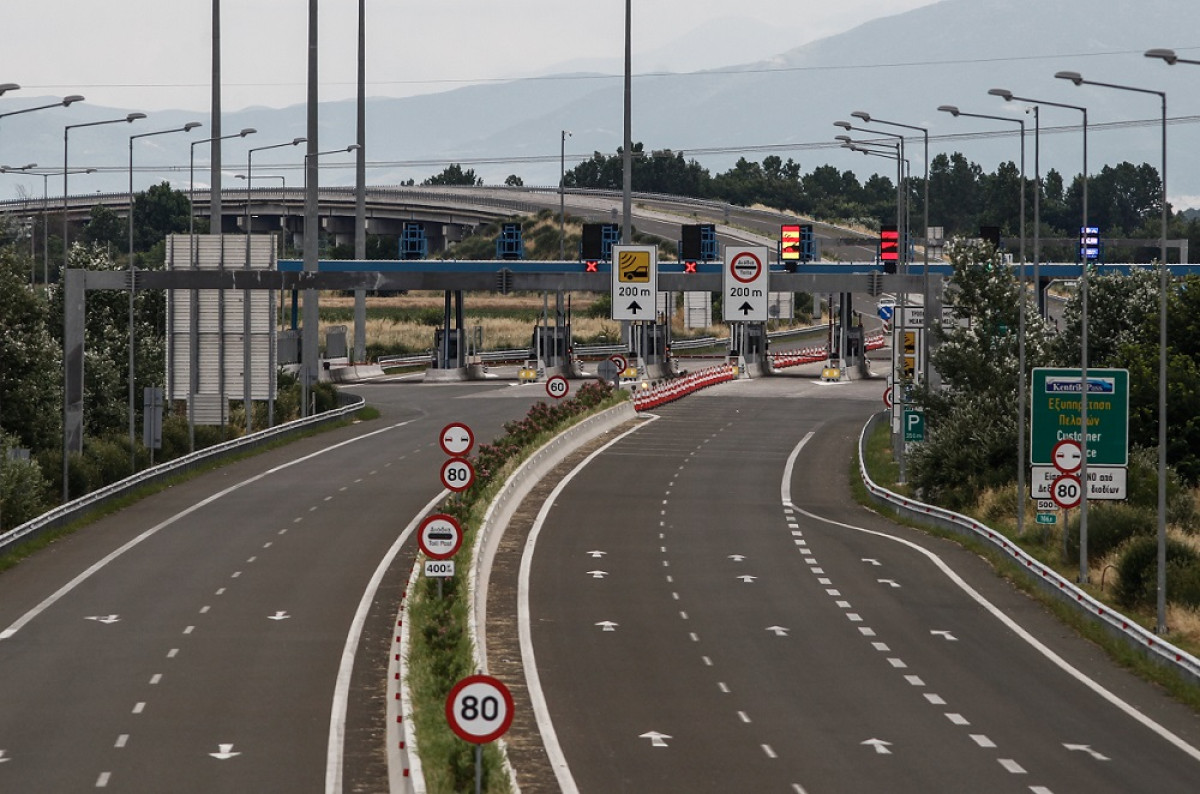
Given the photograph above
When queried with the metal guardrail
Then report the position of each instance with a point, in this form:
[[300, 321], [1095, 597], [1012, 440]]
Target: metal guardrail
[[1123, 627], [77, 508]]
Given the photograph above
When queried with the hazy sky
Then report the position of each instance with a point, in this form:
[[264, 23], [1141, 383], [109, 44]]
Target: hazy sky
[[156, 54]]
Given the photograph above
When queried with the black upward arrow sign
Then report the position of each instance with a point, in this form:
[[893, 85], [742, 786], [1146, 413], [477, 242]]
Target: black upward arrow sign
[[634, 308], [745, 308]]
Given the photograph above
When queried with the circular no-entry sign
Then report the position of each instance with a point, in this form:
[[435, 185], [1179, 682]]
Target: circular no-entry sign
[[1067, 456], [456, 439], [457, 474], [745, 267], [440, 536], [479, 709], [619, 362], [1066, 491], [887, 397], [557, 387]]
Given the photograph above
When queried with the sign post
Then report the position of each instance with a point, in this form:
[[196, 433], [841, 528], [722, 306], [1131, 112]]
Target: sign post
[[1054, 429], [634, 282], [745, 282], [479, 710]]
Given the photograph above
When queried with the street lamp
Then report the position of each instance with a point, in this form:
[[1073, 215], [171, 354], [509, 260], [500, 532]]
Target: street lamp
[[1008, 96], [65, 102], [562, 206], [308, 371], [129, 119], [900, 192], [1021, 394], [1077, 79], [194, 318], [191, 125], [246, 369], [926, 299], [45, 175], [7, 169], [6, 87]]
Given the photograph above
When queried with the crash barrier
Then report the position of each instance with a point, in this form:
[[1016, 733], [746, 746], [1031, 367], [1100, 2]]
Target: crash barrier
[[1121, 626], [78, 508], [812, 355], [670, 390]]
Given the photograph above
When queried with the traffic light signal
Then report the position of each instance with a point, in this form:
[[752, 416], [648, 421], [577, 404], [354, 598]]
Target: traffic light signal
[[591, 246], [689, 266], [789, 243], [690, 244], [889, 247], [591, 266]]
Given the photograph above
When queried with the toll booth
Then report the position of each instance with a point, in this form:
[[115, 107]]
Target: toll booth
[[551, 345], [448, 348], [748, 341]]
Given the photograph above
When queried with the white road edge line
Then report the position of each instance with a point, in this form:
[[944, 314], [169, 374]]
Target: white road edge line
[[104, 561], [537, 698], [785, 492]]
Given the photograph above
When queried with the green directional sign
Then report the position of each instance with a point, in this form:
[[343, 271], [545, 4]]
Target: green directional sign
[[1055, 414]]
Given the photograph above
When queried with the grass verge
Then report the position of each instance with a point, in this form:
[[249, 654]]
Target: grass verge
[[441, 652]]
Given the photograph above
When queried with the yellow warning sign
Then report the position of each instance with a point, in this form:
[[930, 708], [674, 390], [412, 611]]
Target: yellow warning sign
[[633, 267]]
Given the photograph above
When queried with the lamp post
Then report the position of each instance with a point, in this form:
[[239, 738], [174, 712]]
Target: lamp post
[[11, 169], [191, 125], [129, 119], [194, 304], [1077, 79], [45, 175], [866, 117], [6, 87], [246, 369], [308, 370], [65, 102], [282, 200], [562, 201], [1021, 392], [1008, 96]]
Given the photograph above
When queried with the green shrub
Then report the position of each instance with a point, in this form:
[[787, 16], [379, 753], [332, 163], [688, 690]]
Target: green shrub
[[1109, 525], [1138, 569]]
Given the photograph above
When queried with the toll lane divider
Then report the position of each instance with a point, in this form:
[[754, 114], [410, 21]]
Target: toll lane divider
[[1125, 628], [78, 508], [811, 355], [670, 390]]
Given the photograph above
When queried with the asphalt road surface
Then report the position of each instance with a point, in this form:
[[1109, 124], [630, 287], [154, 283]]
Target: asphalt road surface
[[709, 611], [192, 642]]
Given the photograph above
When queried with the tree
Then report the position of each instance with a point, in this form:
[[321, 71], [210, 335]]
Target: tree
[[512, 180], [159, 211], [105, 228], [30, 396], [455, 175], [971, 440]]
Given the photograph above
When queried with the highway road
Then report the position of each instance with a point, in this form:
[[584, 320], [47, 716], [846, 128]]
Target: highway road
[[709, 611], [193, 642]]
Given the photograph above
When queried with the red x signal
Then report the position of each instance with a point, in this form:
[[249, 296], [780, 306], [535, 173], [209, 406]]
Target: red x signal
[[689, 266], [592, 266]]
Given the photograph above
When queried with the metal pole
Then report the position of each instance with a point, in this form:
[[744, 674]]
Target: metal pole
[[627, 154], [360, 189], [562, 201], [247, 402], [214, 202], [311, 217], [1083, 378]]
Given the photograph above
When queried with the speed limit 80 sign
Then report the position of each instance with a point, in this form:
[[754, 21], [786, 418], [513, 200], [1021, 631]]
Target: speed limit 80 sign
[[1066, 491], [479, 709], [457, 474]]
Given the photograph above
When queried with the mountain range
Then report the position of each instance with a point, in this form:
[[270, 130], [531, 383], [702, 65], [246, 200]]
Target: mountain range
[[898, 68]]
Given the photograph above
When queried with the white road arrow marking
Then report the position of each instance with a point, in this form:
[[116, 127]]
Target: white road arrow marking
[[4, 759], [871, 561], [105, 619], [608, 625], [1087, 748], [888, 582], [224, 752], [881, 747], [596, 554], [656, 739], [598, 574], [279, 615], [747, 578], [737, 557], [945, 634], [780, 631]]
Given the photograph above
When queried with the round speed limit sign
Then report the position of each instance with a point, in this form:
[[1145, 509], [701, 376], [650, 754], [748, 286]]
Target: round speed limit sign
[[479, 709], [457, 474], [1066, 491], [557, 387]]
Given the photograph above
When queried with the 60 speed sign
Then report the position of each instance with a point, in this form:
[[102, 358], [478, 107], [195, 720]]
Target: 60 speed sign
[[479, 709], [557, 387]]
